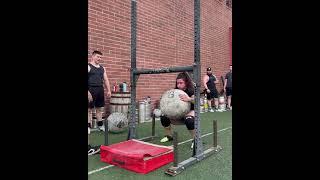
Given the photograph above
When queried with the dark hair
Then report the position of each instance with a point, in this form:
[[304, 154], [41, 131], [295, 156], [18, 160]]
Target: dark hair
[[96, 52], [209, 69], [186, 78]]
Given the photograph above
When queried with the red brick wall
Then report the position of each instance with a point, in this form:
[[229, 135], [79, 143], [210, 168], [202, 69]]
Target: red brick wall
[[165, 37]]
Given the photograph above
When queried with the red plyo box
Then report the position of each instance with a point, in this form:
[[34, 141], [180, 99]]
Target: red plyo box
[[137, 156]]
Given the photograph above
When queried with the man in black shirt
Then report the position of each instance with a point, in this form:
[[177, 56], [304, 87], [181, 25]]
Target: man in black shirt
[[209, 83], [97, 79]]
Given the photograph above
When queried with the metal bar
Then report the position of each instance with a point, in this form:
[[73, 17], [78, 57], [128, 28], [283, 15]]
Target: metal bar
[[147, 138], [173, 171], [153, 125], [164, 70], [215, 133], [106, 133], [197, 79], [175, 149], [132, 120]]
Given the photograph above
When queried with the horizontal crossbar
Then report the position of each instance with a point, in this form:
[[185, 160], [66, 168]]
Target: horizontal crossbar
[[163, 70]]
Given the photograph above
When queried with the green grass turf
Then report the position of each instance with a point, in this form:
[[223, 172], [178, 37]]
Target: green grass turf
[[217, 166]]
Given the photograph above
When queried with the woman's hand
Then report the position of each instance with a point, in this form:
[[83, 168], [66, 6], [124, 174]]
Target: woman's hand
[[184, 98]]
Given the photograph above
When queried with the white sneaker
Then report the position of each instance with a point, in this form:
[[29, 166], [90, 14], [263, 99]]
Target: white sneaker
[[211, 110], [94, 150], [101, 128]]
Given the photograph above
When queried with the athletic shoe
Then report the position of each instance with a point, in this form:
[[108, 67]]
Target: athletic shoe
[[101, 128], [192, 144], [166, 139], [94, 150]]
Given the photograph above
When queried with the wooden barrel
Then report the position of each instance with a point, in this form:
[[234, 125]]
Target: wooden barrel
[[120, 102]]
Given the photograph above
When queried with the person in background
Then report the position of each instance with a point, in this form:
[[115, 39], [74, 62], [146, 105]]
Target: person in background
[[228, 87], [97, 80], [209, 83]]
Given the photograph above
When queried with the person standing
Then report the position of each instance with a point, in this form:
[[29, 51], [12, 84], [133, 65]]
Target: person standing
[[228, 87], [97, 81], [209, 83]]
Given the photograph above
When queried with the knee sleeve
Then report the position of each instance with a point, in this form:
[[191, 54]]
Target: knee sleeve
[[189, 121], [165, 121]]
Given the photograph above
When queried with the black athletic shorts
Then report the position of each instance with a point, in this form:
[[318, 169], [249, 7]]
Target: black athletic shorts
[[229, 91], [213, 94], [97, 93], [165, 121]]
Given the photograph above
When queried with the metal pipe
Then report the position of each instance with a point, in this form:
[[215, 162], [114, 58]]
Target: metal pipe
[[175, 149], [163, 70], [215, 134]]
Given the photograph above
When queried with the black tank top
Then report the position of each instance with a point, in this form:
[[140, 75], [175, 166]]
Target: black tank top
[[95, 76], [211, 85]]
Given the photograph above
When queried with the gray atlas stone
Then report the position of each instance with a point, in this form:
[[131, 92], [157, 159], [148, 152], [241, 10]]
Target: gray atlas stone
[[172, 107], [117, 122]]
